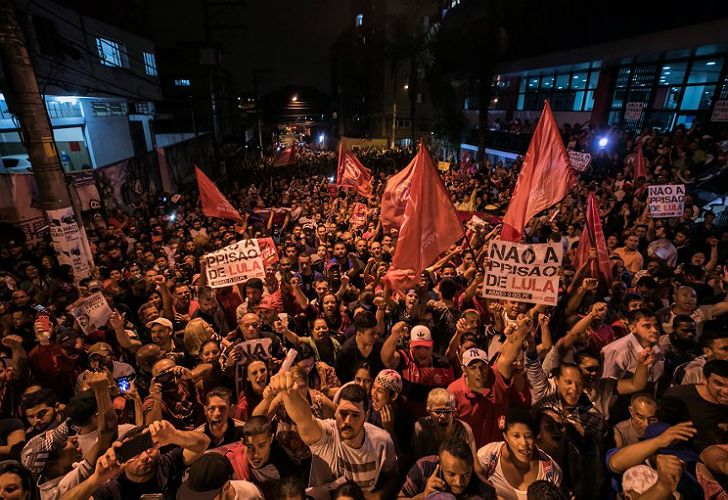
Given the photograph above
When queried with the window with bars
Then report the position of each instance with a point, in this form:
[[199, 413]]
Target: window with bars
[[101, 108], [112, 53], [150, 63], [671, 89]]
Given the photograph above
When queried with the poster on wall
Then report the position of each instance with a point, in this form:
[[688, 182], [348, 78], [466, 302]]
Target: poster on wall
[[523, 273], [633, 110], [68, 242], [720, 111]]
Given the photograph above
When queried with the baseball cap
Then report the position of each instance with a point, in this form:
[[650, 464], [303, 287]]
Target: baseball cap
[[270, 302], [639, 479], [160, 321], [681, 450], [474, 354], [208, 474], [95, 286], [81, 407], [100, 349], [420, 336], [390, 379]]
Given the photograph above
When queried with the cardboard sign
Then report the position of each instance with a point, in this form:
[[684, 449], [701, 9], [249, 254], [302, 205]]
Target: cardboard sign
[[579, 161], [359, 216], [269, 251], [720, 112], [523, 273], [250, 349], [666, 200], [91, 312], [443, 166], [234, 264], [633, 110]]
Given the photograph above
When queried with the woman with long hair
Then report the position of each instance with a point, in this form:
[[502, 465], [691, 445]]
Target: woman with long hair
[[256, 376]]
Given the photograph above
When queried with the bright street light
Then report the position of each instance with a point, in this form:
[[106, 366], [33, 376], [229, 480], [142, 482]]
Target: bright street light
[[294, 98]]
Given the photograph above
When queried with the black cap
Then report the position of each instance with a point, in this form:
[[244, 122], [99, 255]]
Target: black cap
[[81, 407], [208, 474]]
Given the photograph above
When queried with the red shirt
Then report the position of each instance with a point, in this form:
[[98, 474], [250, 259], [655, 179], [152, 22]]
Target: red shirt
[[484, 411]]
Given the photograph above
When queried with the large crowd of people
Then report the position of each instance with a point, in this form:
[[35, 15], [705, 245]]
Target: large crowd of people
[[317, 382]]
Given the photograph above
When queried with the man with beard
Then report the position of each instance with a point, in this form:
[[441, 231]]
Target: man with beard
[[173, 396], [221, 428], [450, 471], [161, 334], [681, 344], [715, 346], [101, 359], [345, 447], [421, 368], [211, 311], [42, 411], [439, 425], [150, 472]]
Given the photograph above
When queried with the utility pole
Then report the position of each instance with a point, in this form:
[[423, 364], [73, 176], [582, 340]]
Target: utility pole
[[27, 104]]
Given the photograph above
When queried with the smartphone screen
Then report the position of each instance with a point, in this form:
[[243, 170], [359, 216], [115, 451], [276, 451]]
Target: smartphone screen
[[44, 319], [123, 383], [133, 447]]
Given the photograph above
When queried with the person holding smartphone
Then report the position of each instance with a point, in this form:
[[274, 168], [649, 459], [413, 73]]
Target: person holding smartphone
[[450, 471]]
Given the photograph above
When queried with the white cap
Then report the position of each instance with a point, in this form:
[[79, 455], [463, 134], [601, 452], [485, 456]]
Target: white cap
[[420, 335], [474, 354]]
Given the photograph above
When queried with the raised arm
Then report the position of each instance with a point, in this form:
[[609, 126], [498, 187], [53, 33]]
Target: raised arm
[[512, 347], [117, 322], [389, 354], [297, 407], [637, 453], [638, 382]]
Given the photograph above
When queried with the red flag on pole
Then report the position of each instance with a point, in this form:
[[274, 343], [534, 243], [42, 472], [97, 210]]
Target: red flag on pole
[[351, 173], [593, 237], [395, 196], [214, 204], [544, 180], [639, 163], [430, 225]]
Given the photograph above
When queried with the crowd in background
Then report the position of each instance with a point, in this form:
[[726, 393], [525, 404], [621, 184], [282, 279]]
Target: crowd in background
[[621, 389]]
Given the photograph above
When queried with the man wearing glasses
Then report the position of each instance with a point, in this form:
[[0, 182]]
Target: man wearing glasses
[[439, 425]]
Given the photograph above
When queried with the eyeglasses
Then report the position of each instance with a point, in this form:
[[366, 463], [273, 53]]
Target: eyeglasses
[[442, 412]]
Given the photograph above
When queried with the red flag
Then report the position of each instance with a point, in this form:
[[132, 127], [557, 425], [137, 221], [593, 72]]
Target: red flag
[[430, 225], [286, 157], [544, 180], [351, 173], [639, 163], [593, 237], [395, 196], [214, 204]]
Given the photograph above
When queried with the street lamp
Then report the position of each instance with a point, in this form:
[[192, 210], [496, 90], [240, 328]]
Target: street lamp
[[406, 86], [294, 98]]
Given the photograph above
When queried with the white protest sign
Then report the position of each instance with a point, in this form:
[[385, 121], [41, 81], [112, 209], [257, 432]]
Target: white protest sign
[[260, 349], [234, 264], [68, 241], [523, 273], [91, 312], [720, 112], [633, 111], [667, 200], [579, 161]]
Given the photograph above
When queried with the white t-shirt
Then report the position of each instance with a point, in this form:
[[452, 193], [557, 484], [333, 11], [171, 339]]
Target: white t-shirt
[[489, 457], [332, 459]]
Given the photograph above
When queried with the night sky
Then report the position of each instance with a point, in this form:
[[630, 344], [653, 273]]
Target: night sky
[[291, 37]]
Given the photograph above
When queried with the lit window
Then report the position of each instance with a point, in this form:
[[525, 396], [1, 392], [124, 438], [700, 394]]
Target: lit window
[[359, 19], [182, 83], [111, 53], [150, 63]]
